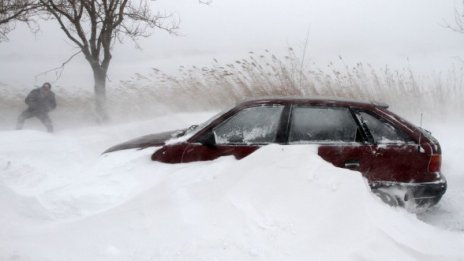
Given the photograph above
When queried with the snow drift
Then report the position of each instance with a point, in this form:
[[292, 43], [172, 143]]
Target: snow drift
[[60, 200]]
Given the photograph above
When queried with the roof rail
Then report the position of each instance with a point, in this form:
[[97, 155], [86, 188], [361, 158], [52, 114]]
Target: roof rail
[[380, 104]]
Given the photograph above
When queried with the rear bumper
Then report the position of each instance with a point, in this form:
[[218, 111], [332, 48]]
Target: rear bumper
[[425, 194]]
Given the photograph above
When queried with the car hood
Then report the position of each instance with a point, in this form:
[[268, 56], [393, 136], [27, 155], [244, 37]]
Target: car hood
[[151, 140]]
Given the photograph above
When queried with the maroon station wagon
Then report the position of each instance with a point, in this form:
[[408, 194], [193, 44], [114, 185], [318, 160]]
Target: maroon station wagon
[[400, 161]]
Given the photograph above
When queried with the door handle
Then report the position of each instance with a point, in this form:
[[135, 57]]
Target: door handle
[[352, 164]]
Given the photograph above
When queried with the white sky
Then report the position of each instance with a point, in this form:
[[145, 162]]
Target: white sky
[[397, 33]]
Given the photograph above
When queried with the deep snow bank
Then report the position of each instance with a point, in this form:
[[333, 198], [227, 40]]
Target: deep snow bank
[[61, 201]]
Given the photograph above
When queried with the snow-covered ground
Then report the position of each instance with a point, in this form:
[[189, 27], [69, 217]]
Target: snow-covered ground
[[61, 200]]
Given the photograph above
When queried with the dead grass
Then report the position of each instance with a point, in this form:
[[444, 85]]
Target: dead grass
[[265, 74]]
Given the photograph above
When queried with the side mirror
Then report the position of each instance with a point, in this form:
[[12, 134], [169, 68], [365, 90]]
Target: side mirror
[[208, 140]]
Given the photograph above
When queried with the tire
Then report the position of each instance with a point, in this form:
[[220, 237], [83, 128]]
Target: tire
[[391, 200]]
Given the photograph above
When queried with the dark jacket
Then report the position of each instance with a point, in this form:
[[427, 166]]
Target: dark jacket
[[40, 101]]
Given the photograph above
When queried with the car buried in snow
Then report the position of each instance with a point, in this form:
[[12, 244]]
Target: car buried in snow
[[400, 161]]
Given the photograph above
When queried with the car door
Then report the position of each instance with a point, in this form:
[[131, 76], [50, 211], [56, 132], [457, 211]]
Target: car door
[[238, 135], [340, 138], [396, 155]]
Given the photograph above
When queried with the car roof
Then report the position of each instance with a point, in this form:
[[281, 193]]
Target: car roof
[[314, 101]]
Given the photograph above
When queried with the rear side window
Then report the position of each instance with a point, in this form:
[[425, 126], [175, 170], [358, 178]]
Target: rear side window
[[382, 131], [322, 124], [255, 125]]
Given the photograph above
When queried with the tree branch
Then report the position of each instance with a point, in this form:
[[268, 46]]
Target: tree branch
[[12, 11], [60, 68]]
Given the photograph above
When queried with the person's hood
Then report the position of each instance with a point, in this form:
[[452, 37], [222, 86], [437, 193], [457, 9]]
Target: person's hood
[[151, 140]]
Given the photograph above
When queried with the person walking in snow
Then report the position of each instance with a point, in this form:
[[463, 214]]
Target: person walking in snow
[[40, 101]]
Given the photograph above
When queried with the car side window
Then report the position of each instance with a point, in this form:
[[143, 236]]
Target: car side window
[[254, 125], [322, 124], [382, 131]]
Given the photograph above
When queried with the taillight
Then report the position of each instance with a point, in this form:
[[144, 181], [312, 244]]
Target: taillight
[[435, 163]]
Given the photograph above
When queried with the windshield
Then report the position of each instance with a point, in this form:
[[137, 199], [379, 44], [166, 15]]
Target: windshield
[[192, 130], [184, 135]]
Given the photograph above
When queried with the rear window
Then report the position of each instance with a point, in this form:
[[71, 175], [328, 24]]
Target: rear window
[[382, 131]]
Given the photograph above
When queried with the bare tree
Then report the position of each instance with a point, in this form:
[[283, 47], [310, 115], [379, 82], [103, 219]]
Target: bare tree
[[458, 24], [12, 11], [94, 26]]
